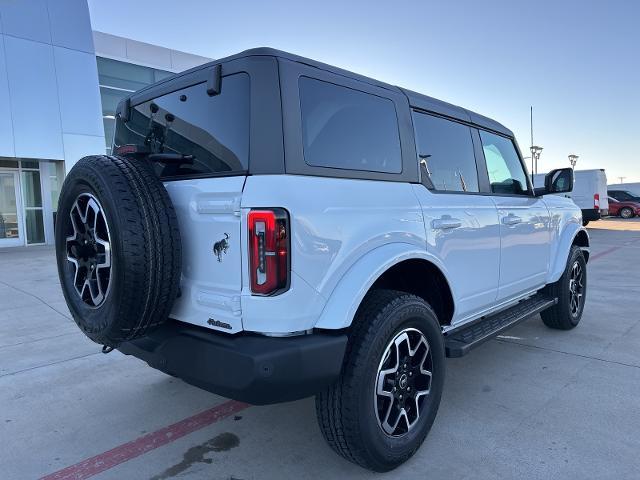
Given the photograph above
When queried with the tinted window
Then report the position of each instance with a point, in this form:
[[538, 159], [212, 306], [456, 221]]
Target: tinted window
[[349, 129], [506, 174], [623, 196], [215, 130], [445, 149]]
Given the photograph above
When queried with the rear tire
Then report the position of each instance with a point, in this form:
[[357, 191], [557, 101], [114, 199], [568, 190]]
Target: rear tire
[[571, 294], [118, 248], [626, 212], [357, 418], [585, 223]]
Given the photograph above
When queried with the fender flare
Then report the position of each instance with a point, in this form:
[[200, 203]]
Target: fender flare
[[568, 238], [347, 295]]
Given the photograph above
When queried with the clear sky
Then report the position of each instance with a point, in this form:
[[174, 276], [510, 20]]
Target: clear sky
[[576, 62]]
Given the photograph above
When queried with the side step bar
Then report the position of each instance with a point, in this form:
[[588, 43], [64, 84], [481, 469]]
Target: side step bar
[[460, 341]]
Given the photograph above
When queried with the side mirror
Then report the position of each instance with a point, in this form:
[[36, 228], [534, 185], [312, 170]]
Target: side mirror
[[557, 181]]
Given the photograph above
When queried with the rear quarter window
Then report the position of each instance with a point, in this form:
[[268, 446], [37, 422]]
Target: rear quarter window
[[213, 129], [348, 129]]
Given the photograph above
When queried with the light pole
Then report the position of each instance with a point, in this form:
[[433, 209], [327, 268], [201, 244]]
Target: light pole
[[573, 159], [535, 156]]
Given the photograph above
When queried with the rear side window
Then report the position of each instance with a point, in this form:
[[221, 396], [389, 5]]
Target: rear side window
[[622, 196], [348, 129], [506, 173], [214, 129], [445, 149]]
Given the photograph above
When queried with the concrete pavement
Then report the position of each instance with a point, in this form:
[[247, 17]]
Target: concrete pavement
[[534, 403]]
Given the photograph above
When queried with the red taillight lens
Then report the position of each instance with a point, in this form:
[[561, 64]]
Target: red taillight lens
[[596, 201], [269, 250]]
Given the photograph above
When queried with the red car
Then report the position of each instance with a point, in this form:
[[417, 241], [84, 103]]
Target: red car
[[623, 209]]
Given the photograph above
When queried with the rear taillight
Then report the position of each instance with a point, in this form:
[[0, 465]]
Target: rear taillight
[[269, 250], [596, 201]]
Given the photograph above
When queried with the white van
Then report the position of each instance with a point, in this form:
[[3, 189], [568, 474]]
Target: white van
[[589, 192]]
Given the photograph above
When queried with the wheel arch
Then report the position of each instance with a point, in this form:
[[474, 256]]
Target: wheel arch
[[581, 239], [571, 236], [394, 266]]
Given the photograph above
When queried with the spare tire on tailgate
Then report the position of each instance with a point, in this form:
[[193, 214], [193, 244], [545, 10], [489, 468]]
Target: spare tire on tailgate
[[118, 248]]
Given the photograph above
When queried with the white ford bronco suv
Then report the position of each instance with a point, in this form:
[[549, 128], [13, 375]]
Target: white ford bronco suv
[[270, 228]]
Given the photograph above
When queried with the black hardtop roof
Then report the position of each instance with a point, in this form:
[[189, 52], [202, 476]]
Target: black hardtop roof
[[416, 100]]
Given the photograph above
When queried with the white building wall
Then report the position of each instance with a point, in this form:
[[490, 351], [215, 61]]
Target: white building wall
[[49, 97]]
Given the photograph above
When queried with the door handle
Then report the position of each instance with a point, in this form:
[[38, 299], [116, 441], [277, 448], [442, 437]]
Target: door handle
[[446, 223], [511, 219]]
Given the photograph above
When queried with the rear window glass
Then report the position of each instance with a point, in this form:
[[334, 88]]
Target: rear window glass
[[214, 130], [348, 129]]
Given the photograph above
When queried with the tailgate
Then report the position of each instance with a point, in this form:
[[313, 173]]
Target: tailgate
[[210, 227]]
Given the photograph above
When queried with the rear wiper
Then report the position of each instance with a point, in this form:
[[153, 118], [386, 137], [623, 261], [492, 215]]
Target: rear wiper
[[176, 158]]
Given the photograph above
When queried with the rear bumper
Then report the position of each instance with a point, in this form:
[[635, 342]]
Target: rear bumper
[[246, 367], [591, 214]]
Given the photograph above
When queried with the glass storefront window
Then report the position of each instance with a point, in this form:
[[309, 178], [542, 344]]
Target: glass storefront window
[[118, 80], [8, 164], [113, 73], [35, 226], [56, 177], [29, 191], [109, 130], [32, 201], [30, 164], [32, 192], [110, 99], [9, 222], [123, 75]]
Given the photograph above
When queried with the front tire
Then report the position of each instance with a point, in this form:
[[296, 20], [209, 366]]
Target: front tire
[[381, 408], [571, 291]]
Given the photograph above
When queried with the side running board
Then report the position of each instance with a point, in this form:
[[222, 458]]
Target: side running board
[[460, 341]]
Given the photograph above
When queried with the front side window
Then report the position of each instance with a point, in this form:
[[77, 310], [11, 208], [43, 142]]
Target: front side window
[[445, 149], [348, 129], [212, 129], [506, 173]]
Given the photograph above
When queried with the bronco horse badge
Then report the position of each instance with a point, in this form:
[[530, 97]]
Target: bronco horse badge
[[220, 248]]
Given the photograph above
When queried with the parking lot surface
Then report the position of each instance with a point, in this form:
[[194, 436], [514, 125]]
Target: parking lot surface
[[533, 403]]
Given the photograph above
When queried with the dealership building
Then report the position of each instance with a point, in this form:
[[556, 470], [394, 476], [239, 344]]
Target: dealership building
[[60, 82]]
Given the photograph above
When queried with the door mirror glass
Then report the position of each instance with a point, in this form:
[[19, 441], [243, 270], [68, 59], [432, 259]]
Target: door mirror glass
[[559, 181]]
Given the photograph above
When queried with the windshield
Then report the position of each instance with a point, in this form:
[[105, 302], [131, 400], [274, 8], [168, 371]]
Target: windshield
[[214, 130]]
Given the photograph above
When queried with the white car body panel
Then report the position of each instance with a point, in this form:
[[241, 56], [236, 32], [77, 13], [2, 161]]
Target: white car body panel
[[470, 252], [524, 234], [566, 223], [342, 305], [335, 221], [346, 233], [208, 209]]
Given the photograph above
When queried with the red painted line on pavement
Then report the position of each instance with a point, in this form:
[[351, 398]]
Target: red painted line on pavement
[[604, 252], [125, 452]]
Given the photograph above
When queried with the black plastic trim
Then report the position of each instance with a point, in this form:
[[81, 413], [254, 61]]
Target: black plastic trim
[[246, 367], [460, 341], [214, 81]]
